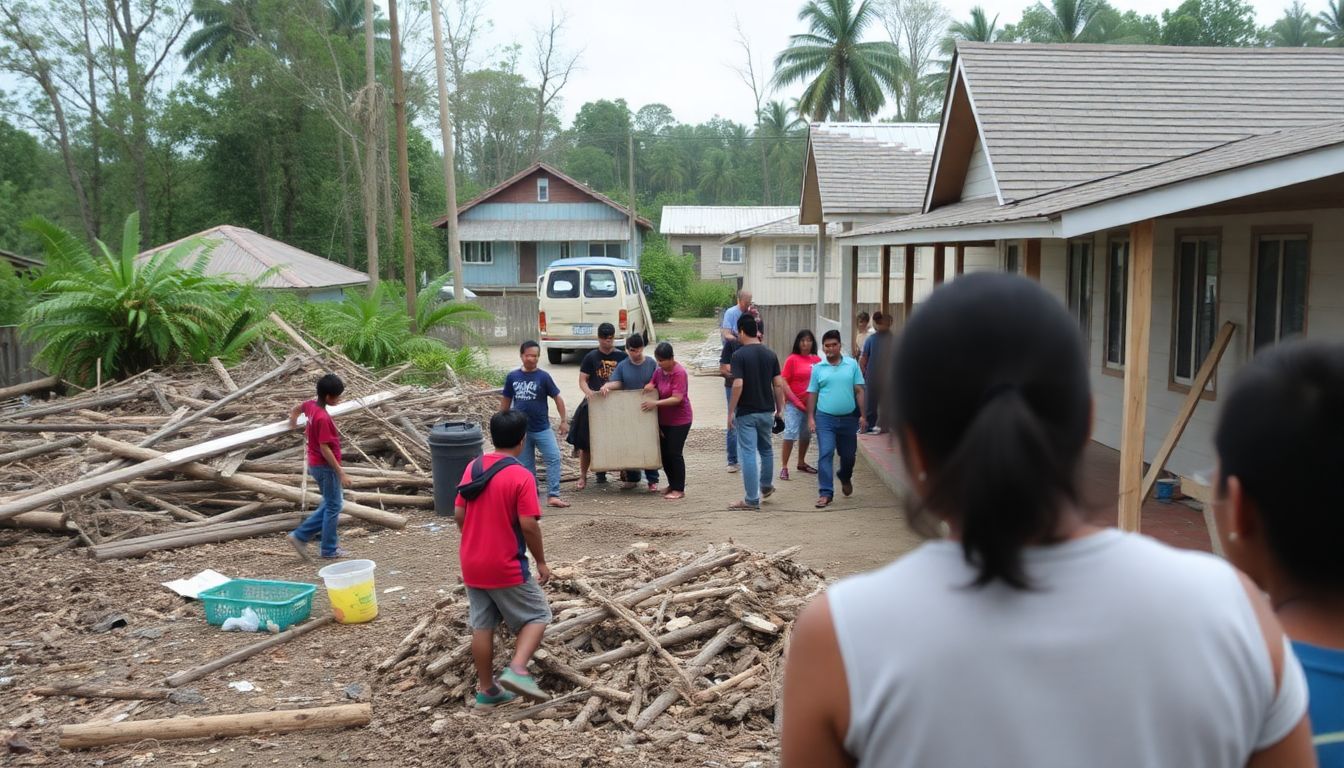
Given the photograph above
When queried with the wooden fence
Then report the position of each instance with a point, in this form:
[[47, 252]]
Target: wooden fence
[[513, 321], [16, 358], [783, 321]]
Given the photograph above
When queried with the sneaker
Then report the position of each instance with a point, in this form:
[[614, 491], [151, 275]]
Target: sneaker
[[784, 474], [767, 491], [337, 555], [487, 700], [301, 547], [732, 468], [523, 685]]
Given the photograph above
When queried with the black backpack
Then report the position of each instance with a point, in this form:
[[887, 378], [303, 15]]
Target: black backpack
[[480, 479]]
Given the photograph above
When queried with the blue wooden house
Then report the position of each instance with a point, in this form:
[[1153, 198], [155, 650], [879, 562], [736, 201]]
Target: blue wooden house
[[511, 233]]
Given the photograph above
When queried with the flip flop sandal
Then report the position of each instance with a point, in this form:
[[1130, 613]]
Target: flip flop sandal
[[823, 502], [742, 506], [674, 495], [807, 469]]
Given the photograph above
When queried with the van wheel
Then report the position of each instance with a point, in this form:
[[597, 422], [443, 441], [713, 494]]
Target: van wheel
[[554, 356]]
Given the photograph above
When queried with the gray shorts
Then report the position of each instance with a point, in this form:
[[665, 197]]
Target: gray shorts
[[516, 606]]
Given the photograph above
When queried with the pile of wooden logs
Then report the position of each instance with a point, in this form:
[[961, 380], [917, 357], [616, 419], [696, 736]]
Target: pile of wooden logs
[[642, 642], [197, 454]]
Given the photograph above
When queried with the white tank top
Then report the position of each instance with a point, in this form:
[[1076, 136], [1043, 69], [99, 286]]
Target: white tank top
[[1128, 653]]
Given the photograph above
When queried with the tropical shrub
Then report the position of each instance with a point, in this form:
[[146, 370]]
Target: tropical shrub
[[704, 297], [96, 310], [13, 294], [468, 364], [668, 275]]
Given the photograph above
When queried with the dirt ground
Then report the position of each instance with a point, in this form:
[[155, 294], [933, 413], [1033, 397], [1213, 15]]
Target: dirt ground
[[52, 604]]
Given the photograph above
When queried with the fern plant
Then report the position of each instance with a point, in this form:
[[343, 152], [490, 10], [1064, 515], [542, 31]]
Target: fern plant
[[103, 311]]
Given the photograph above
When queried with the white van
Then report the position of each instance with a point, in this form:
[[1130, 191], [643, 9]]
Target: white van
[[577, 295]]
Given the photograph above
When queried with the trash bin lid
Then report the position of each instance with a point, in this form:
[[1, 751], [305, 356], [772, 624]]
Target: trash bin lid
[[456, 433]]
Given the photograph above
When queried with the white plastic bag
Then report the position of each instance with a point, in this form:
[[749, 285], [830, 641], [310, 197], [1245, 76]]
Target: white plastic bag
[[248, 622]]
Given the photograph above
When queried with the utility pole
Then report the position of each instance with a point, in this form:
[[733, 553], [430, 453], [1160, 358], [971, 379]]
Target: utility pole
[[630, 164], [403, 163], [370, 152], [449, 171]]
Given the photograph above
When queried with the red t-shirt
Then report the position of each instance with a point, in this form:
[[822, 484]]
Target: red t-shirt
[[321, 429], [493, 553], [797, 373]]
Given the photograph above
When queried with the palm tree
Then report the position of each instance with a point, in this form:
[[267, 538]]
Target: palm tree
[[1295, 29], [347, 19], [1332, 23], [846, 77], [1070, 21], [778, 119], [718, 177], [977, 29], [227, 26], [665, 167]]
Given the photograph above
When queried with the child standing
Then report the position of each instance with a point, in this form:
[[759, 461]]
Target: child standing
[[324, 464], [497, 513]]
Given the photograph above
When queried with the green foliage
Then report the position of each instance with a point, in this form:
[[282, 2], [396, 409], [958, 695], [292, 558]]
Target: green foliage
[[14, 295], [847, 78], [667, 274], [101, 310], [1228, 23], [1296, 28], [704, 297], [467, 363], [1332, 23]]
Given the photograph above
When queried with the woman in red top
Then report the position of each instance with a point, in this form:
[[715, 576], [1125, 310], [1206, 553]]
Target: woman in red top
[[797, 372], [672, 386]]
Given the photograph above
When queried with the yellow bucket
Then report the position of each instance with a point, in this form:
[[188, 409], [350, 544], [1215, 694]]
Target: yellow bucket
[[350, 590]]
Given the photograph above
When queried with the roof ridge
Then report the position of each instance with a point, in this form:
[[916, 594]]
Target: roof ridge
[[237, 236]]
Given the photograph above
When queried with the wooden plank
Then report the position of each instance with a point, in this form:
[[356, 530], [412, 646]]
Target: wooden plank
[[1138, 320], [908, 293], [27, 502], [1192, 398], [886, 280], [939, 263], [622, 435], [960, 268], [37, 385], [165, 729], [1032, 268]]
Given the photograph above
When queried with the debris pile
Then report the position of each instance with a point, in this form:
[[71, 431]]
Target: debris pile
[[644, 645], [203, 453]]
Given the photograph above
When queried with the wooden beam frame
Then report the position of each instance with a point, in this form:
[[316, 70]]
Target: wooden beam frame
[[1032, 266], [908, 284], [886, 280], [1138, 320], [960, 267], [939, 263]]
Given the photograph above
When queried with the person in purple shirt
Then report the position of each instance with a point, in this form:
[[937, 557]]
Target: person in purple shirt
[[672, 386]]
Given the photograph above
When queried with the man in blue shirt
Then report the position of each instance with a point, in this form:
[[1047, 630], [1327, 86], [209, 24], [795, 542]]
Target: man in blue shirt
[[728, 327], [526, 390], [835, 405], [632, 373]]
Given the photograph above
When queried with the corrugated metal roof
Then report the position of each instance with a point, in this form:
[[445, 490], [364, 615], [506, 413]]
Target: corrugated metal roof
[[871, 167], [786, 227], [543, 231], [718, 219], [245, 255], [1230, 156], [1053, 116]]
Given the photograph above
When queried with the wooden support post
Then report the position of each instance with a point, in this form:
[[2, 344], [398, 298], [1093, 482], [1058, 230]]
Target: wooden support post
[[1138, 318], [960, 268], [849, 300], [1033, 264], [908, 284], [821, 273], [50, 382], [886, 280], [939, 263]]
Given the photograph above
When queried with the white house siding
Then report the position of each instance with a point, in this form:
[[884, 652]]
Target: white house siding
[[1325, 319], [711, 250], [771, 289], [979, 179]]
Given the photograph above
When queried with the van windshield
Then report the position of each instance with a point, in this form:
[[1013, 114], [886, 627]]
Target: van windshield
[[599, 284], [564, 284]]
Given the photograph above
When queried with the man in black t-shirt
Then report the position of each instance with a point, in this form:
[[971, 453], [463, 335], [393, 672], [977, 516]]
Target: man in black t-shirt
[[726, 370], [594, 371], [757, 400]]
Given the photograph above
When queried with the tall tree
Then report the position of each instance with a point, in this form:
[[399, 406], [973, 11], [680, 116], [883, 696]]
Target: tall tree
[[718, 179], [1062, 21], [917, 28], [747, 72], [1296, 28], [1332, 23], [226, 26], [846, 76], [1222, 23], [978, 28], [554, 66]]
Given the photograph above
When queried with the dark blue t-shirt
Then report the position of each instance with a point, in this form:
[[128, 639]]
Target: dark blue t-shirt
[[1325, 681], [529, 391]]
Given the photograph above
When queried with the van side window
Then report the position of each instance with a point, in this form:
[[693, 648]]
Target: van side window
[[630, 288], [564, 284], [599, 284]]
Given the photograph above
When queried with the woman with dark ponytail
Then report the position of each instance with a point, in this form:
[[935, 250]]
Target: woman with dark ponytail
[[1028, 636]]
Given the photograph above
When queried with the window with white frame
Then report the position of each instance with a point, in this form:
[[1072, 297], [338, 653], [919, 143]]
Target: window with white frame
[[1080, 283], [1282, 268], [870, 259], [1117, 294], [795, 259], [609, 250], [1196, 304], [543, 190], [478, 253], [1012, 258], [898, 262], [731, 254]]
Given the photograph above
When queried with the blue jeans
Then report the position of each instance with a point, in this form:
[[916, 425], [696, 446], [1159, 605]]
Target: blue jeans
[[835, 433], [550, 453], [327, 516], [730, 435], [753, 438]]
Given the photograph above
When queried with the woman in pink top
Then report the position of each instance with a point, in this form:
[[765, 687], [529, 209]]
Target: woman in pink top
[[797, 372], [674, 417]]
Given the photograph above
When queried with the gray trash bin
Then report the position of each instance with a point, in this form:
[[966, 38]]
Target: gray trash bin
[[453, 445]]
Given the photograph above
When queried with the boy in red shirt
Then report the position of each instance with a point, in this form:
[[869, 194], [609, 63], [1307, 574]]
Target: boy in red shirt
[[324, 464], [497, 513]]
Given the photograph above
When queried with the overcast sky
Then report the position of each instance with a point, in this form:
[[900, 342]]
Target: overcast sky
[[682, 52]]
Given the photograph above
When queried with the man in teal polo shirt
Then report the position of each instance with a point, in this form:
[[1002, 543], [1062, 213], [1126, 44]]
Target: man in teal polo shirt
[[835, 413]]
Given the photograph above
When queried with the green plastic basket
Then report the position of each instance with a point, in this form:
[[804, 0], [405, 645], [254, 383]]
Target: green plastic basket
[[283, 602]]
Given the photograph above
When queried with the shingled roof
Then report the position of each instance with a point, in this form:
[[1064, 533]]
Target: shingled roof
[[241, 254], [857, 169], [1053, 116]]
